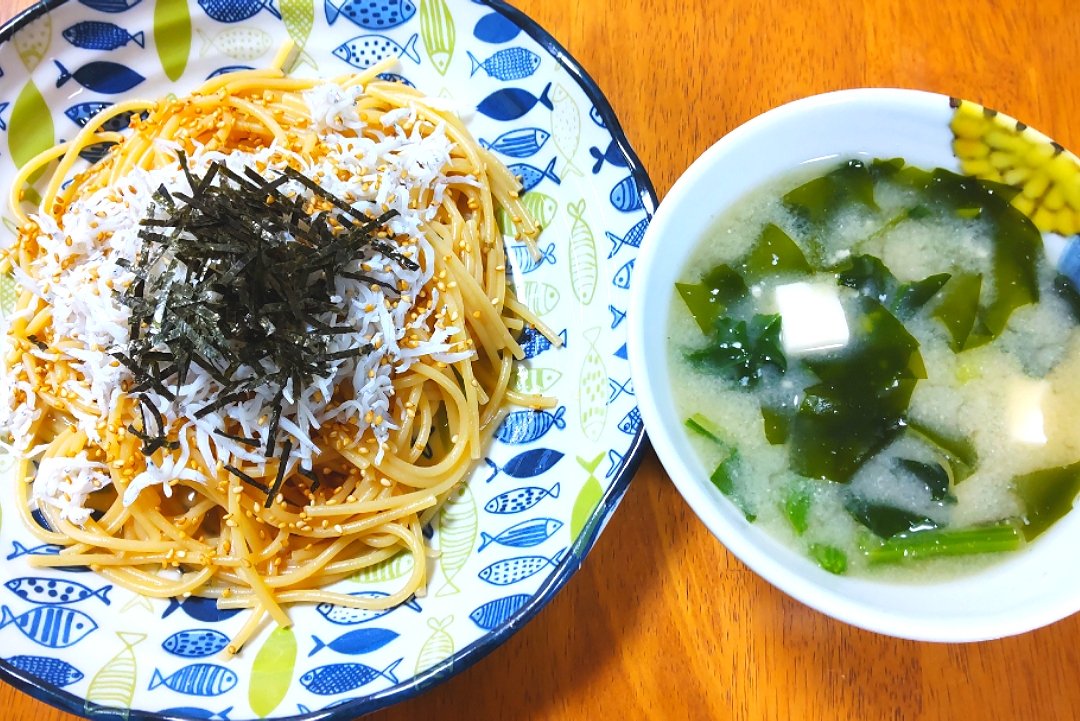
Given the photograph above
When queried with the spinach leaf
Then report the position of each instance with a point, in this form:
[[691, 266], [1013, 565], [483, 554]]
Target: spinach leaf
[[724, 478], [830, 558], [797, 508]]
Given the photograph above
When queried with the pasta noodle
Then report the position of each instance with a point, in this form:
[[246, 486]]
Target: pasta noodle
[[192, 516]]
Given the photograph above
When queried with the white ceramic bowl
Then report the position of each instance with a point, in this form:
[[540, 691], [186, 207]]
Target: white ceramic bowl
[[1027, 590]]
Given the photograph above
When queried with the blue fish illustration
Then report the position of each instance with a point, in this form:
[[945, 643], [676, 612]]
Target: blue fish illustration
[[49, 670], [45, 549], [631, 422], [622, 277], [528, 426], [94, 153], [345, 616], [228, 69], [363, 51], [110, 6], [528, 464], [617, 389], [512, 103], [520, 499], [531, 177], [507, 64], [199, 713], [51, 626], [52, 591], [632, 238], [617, 316], [621, 353], [80, 115], [513, 570], [354, 643], [494, 613], [201, 609], [611, 156], [597, 118], [625, 196], [495, 28], [195, 643], [96, 35], [526, 263], [233, 11], [533, 342], [518, 143], [616, 460], [198, 679], [524, 535], [395, 78], [101, 76], [341, 677], [372, 14], [3, 107]]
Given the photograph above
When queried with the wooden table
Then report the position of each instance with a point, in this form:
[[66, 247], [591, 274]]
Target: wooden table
[[661, 621]]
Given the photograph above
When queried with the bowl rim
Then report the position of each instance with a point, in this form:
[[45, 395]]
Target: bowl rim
[[474, 652], [830, 602]]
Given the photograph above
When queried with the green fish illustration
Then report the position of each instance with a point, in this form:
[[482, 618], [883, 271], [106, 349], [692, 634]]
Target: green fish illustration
[[535, 380], [30, 130], [541, 298], [299, 16], [438, 647], [593, 389], [458, 524], [114, 685], [437, 31], [138, 601], [565, 126], [172, 36], [588, 497], [32, 41], [7, 294], [238, 43], [388, 570], [272, 672], [583, 265], [540, 206]]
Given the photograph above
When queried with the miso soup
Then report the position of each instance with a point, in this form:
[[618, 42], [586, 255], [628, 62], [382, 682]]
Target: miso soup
[[878, 364]]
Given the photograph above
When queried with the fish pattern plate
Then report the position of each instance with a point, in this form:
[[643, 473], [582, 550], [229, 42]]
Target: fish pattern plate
[[533, 507]]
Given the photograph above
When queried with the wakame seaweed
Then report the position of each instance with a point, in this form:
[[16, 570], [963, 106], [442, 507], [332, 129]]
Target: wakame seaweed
[[858, 406], [233, 280]]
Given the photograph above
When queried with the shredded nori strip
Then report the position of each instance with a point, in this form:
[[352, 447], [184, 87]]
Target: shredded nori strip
[[286, 449], [239, 439], [245, 478], [238, 279], [40, 344]]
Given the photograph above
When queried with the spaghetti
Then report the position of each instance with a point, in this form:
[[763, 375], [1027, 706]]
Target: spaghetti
[[174, 471]]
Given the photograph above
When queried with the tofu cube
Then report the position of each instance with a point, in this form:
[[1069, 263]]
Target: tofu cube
[[812, 317], [1023, 412]]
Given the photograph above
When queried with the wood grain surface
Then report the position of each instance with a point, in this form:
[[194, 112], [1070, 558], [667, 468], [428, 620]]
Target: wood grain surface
[[662, 622]]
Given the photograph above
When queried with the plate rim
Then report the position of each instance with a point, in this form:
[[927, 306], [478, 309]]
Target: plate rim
[[474, 652]]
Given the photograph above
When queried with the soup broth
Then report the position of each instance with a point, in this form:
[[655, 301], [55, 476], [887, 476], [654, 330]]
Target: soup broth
[[879, 366]]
